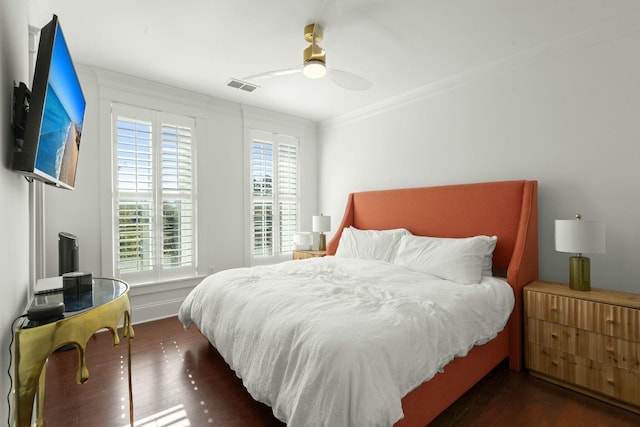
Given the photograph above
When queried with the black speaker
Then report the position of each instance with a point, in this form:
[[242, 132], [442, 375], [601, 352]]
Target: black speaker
[[67, 253]]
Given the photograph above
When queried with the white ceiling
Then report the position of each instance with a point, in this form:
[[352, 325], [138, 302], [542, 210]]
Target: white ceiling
[[398, 45]]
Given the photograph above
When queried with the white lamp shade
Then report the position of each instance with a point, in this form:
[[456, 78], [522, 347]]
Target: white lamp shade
[[580, 236], [321, 223]]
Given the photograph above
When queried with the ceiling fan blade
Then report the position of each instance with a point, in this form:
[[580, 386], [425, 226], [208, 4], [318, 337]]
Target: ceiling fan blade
[[274, 73], [348, 80]]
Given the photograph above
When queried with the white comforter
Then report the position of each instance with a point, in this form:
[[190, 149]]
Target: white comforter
[[338, 342]]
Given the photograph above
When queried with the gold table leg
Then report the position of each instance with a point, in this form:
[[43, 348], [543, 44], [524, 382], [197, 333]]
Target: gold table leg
[[33, 346], [40, 396], [127, 331]]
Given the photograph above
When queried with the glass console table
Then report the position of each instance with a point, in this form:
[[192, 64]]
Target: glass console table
[[84, 315]]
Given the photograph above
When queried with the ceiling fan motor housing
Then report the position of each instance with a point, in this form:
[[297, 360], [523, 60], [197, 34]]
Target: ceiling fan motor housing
[[314, 53], [314, 57], [313, 31]]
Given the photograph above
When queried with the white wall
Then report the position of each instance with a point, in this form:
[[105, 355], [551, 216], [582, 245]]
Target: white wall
[[566, 115], [14, 190], [221, 182]]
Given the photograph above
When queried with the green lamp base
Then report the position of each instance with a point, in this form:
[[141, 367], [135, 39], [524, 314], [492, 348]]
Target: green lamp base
[[322, 246], [580, 273]]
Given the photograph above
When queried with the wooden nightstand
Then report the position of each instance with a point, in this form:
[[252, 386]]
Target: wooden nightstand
[[586, 341], [308, 254]]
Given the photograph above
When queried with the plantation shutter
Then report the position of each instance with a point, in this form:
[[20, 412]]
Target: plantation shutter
[[177, 203], [262, 174], [287, 194], [135, 195], [154, 194]]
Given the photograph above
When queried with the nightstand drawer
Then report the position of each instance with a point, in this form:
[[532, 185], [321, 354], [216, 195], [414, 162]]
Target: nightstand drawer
[[617, 383], [606, 319], [603, 349]]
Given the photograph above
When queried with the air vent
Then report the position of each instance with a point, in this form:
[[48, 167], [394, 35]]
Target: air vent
[[239, 84]]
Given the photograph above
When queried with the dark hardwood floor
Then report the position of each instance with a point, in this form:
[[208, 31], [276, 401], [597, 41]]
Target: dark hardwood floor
[[180, 380]]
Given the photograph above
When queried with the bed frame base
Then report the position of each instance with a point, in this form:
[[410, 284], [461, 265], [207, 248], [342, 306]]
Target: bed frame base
[[508, 209]]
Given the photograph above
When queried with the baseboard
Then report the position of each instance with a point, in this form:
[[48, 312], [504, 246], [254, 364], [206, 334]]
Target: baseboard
[[154, 311]]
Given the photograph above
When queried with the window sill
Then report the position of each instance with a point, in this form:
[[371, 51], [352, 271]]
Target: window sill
[[143, 288]]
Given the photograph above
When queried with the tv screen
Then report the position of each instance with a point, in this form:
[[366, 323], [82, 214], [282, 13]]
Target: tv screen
[[56, 113]]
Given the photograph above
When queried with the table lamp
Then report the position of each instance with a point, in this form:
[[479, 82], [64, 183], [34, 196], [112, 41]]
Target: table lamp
[[320, 224], [579, 236]]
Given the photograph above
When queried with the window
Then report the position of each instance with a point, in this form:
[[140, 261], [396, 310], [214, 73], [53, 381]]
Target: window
[[154, 214], [274, 194]]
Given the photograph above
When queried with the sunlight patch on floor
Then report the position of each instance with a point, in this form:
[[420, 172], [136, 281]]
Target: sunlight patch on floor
[[172, 417]]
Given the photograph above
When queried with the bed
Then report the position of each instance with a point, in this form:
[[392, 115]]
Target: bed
[[289, 379]]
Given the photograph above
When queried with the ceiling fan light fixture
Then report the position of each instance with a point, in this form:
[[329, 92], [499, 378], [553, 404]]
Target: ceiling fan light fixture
[[314, 64], [314, 69]]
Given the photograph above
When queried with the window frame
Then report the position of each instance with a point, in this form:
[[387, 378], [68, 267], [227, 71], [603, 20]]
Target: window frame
[[159, 272], [277, 140]]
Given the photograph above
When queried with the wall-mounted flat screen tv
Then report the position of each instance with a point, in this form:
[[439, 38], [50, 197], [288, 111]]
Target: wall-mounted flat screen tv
[[54, 121]]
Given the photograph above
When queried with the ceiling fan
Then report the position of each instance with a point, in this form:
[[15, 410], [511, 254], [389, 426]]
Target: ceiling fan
[[314, 64]]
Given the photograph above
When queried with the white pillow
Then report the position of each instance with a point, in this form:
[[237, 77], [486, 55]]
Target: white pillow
[[380, 245], [487, 262], [459, 260]]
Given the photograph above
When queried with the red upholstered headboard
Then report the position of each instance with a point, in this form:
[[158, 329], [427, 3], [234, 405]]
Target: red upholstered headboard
[[507, 209]]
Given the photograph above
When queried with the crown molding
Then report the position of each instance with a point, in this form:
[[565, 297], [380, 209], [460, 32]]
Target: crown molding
[[131, 89]]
